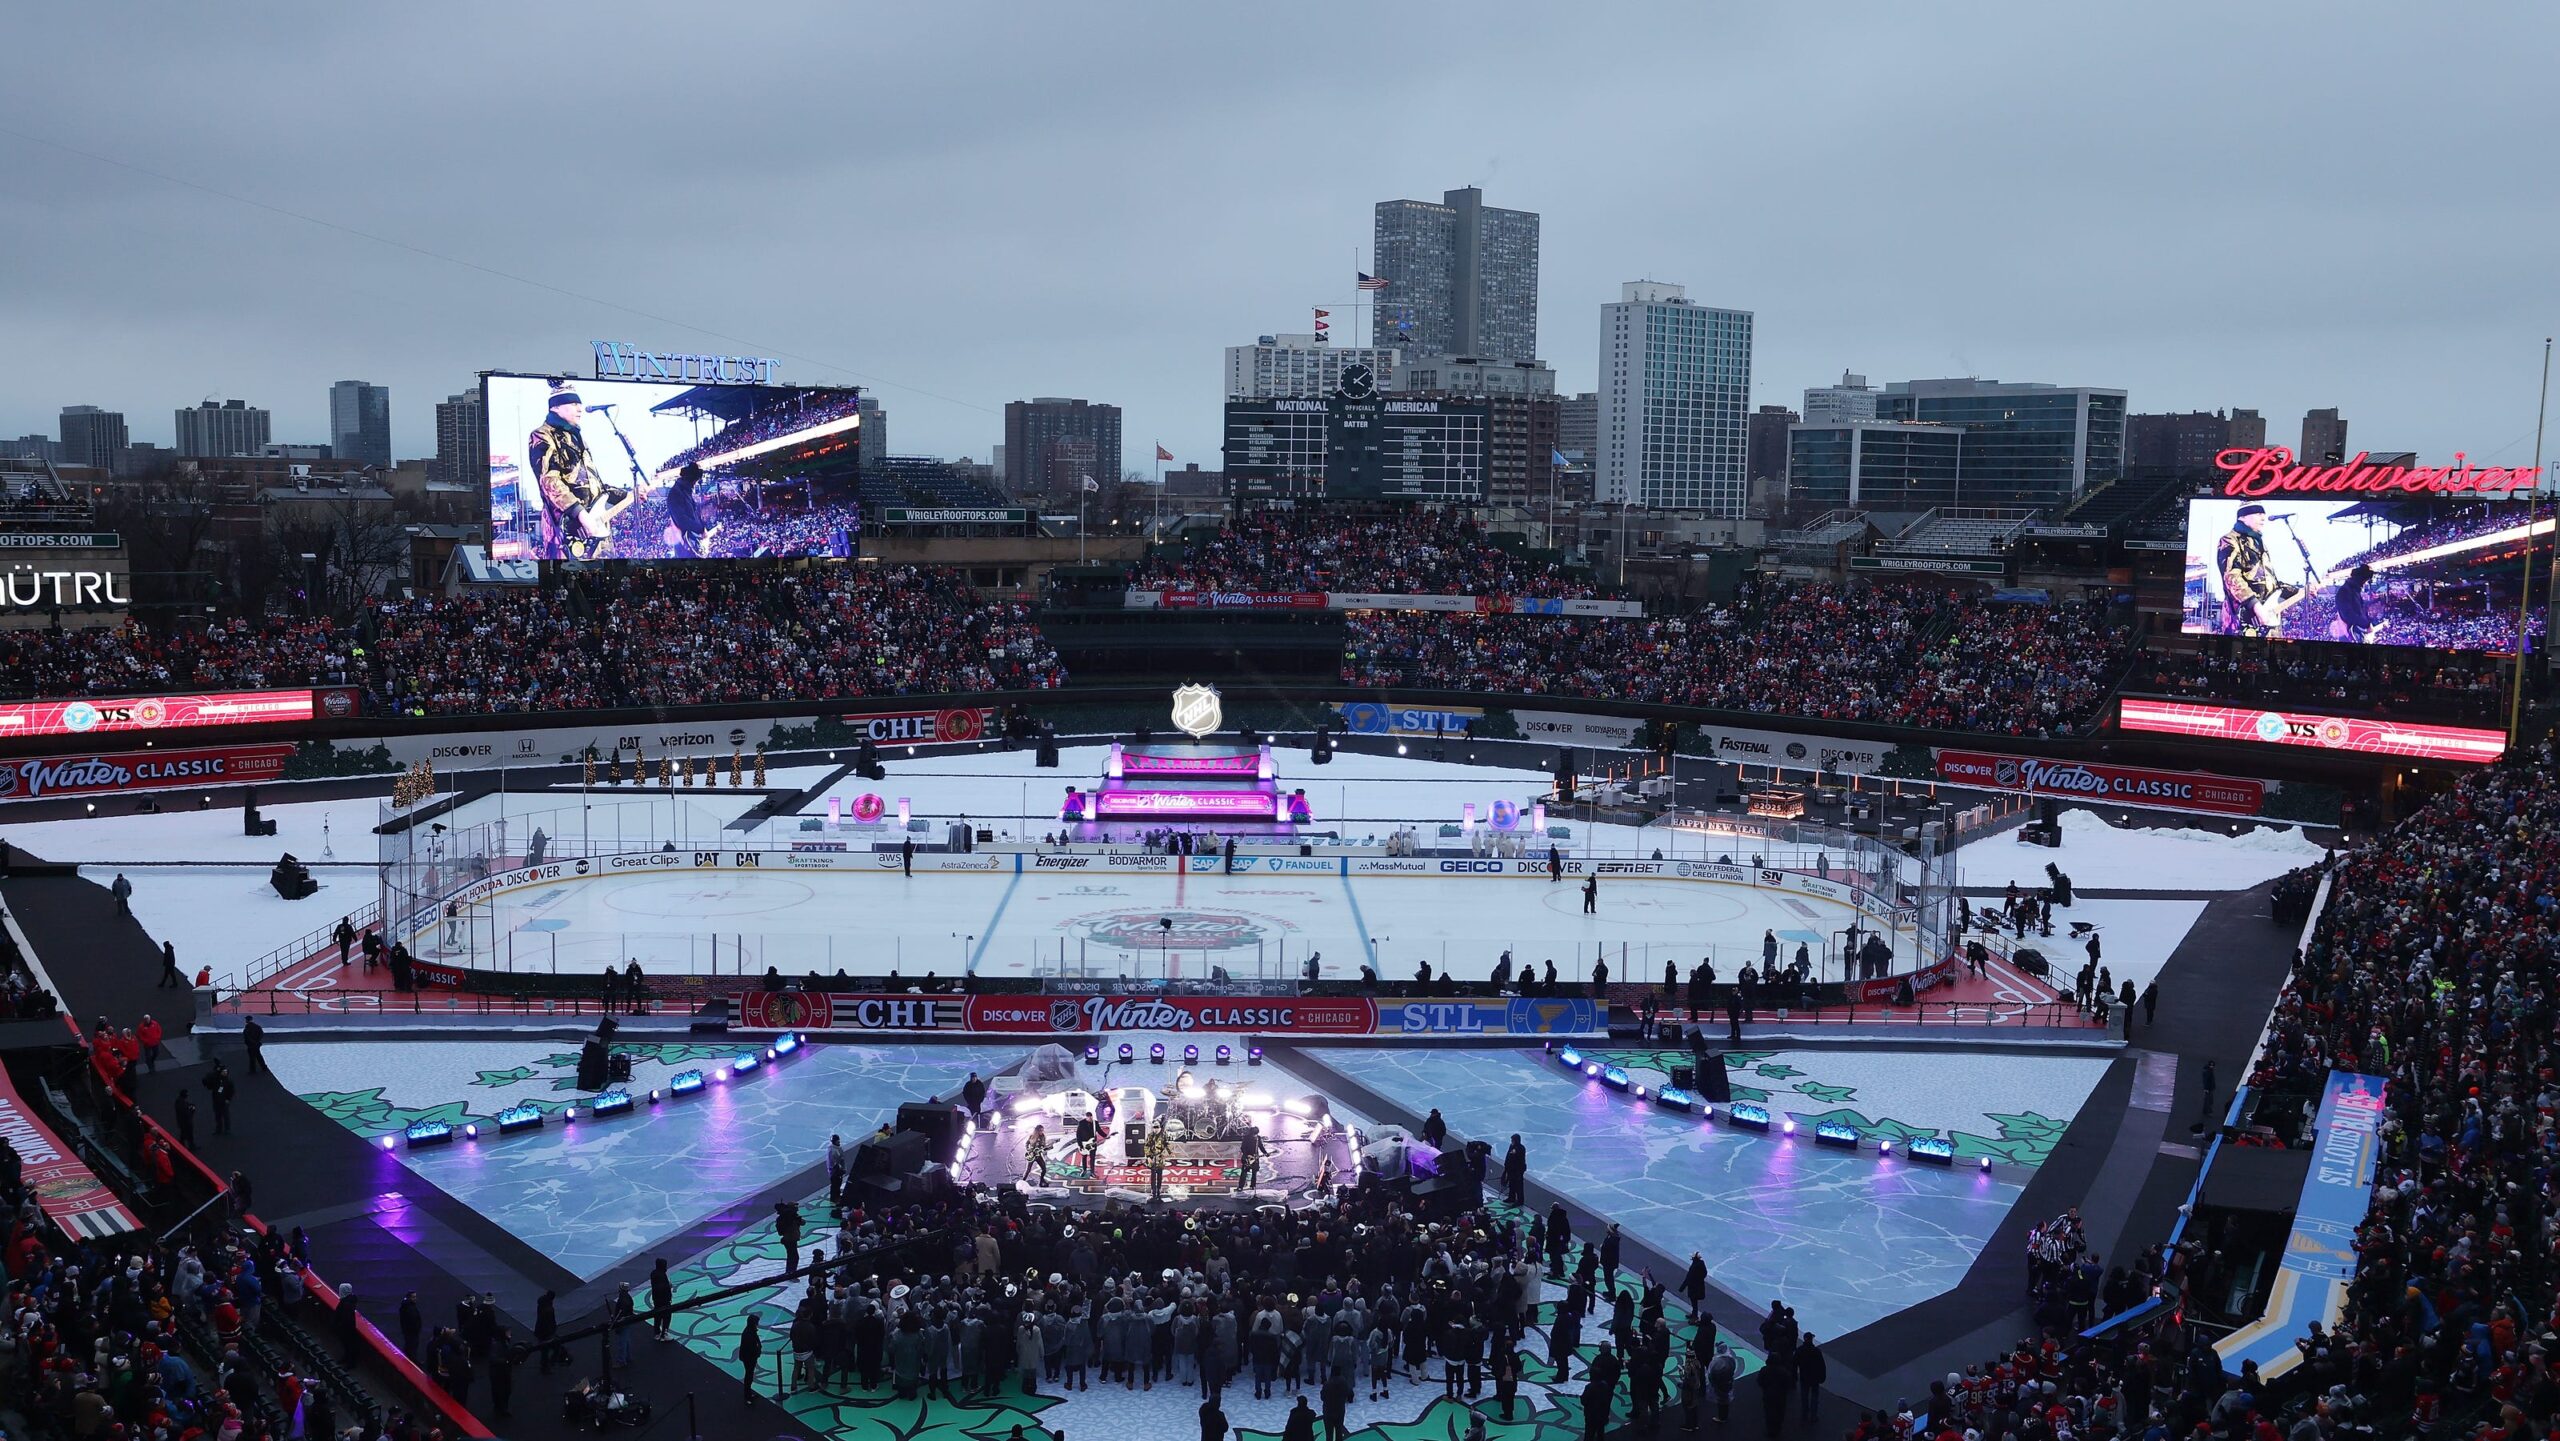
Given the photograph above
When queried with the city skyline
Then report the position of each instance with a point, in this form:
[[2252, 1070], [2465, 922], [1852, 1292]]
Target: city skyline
[[2258, 279]]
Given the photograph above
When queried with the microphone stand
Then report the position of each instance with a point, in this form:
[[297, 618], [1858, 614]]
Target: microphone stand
[[639, 477]]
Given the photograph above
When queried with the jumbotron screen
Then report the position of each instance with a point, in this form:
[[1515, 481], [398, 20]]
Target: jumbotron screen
[[641, 470], [2363, 572]]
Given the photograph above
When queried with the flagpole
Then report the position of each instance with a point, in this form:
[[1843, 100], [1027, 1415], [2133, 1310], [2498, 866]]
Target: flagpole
[[2524, 604], [1159, 535]]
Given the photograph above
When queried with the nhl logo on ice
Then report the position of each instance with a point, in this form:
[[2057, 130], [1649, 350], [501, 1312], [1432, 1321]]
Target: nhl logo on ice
[[1195, 710]]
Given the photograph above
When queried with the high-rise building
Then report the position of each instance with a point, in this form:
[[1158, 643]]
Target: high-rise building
[[1468, 375], [1851, 399], [462, 439], [1675, 385], [1765, 445], [360, 423], [93, 437], [2185, 443], [1462, 277], [2024, 443], [1052, 443], [222, 428], [872, 440], [1889, 465], [32, 447], [2324, 438], [1578, 426], [1298, 367]]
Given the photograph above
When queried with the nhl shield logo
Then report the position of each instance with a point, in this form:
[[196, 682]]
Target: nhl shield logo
[[1195, 710]]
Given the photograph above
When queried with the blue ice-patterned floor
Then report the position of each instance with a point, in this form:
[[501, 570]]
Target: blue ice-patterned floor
[[594, 1194], [1844, 1237]]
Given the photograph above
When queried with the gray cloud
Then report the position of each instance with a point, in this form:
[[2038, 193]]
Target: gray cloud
[[2279, 205]]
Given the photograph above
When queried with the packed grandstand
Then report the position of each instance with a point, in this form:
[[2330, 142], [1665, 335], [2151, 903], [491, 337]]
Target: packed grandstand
[[2429, 962]]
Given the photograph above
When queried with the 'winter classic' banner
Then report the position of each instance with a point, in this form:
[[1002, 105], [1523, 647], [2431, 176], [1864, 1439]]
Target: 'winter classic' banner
[[38, 777], [2119, 785]]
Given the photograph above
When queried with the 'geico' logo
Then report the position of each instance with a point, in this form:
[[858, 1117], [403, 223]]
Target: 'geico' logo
[[1480, 867]]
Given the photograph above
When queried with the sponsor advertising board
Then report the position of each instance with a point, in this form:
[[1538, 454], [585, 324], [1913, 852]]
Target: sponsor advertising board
[[925, 727], [826, 1011], [1068, 1015], [2369, 734], [1374, 718], [1223, 600], [1565, 728], [557, 745], [1516, 1015], [38, 777], [160, 712], [2088, 781], [1787, 748]]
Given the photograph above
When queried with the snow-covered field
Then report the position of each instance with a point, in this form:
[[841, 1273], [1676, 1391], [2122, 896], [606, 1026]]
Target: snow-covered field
[[2101, 856]]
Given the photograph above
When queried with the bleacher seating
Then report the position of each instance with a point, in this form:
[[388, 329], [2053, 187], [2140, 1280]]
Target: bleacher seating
[[1962, 530]]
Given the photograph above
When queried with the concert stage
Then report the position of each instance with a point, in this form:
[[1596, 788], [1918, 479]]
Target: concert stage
[[1234, 1136]]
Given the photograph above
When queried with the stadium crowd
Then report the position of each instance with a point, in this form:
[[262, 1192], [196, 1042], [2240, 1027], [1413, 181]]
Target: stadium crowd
[[2408, 682], [801, 412], [1903, 653], [1420, 552], [626, 637], [2433, 966], [683, 636]]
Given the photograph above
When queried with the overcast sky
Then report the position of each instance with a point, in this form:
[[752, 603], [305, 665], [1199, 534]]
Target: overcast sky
[[2270, 205]]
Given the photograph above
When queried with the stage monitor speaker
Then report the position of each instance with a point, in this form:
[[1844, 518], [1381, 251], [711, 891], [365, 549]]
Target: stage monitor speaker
[[901, 1154], [1443, 1197], [939, 1122], [1623, 1025], [1684, 1078], [592, 1061], [1715, 1082]]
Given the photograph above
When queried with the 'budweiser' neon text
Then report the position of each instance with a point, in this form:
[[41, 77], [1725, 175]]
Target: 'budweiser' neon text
[[2270, 470]]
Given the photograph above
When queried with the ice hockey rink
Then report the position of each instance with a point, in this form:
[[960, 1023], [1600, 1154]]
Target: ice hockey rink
[[1098, 923]]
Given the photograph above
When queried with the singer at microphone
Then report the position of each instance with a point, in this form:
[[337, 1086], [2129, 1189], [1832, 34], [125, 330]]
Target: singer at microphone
[[2253, 600]]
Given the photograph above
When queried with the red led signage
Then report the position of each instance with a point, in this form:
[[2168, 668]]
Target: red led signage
[[2323, 732], [2270, 470], [157, 712]]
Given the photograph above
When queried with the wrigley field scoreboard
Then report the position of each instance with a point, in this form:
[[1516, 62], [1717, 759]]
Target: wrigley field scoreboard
[[1358, 445]]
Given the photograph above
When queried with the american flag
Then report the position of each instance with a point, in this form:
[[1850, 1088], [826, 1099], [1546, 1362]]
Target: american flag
[[1370, 282]]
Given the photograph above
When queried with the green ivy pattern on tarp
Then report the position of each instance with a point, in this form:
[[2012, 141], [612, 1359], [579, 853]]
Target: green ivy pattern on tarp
[[2022, 1138]]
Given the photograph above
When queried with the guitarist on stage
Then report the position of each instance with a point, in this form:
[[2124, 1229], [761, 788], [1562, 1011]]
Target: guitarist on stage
[[578, 508], [2253, 600]]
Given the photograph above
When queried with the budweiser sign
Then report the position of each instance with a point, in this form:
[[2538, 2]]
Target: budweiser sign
[[2270, 470], [1054, 1015], [2089, 781]]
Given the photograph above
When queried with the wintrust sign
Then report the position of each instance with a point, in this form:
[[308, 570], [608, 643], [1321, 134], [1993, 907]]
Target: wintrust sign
[[2270, 470], [2088, 781]]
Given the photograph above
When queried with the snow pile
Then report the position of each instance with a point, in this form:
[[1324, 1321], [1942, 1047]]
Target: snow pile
[[2101, 856]]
